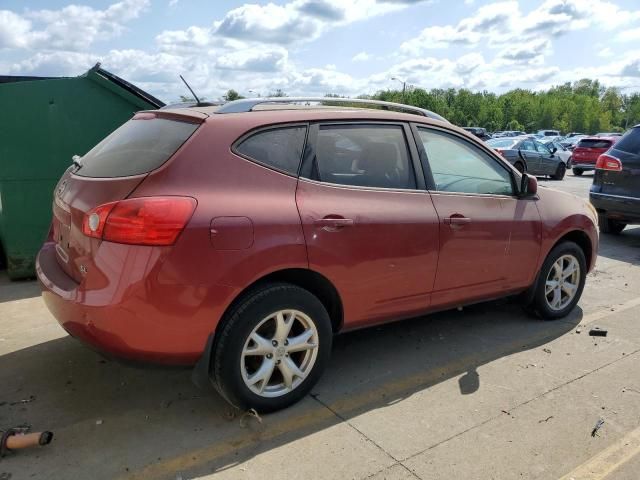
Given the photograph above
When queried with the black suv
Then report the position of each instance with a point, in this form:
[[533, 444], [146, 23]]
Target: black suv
[[615, 192]]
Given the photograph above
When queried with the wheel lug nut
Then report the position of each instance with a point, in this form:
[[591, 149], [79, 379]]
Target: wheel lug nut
[[274, 343], [269, 355], [286, 342]]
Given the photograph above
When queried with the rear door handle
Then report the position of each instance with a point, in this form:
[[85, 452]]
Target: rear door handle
[[456, 220], [333, 223]]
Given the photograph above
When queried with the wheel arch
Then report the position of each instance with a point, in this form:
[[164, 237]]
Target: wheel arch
[[581, 239], [310, 280]]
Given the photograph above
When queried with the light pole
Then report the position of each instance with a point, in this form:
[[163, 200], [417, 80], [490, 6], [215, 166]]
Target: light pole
[[404, 87], [254, 92]]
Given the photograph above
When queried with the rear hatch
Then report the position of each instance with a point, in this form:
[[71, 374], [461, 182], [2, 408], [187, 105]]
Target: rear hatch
[[589, 149], [110, 172], [626, 182]]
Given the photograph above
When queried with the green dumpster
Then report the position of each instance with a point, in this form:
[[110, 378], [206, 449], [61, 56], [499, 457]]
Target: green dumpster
[[43, 123]]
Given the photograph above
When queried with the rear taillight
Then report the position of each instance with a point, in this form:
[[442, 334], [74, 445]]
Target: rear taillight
[[608, 162], [140, 221]]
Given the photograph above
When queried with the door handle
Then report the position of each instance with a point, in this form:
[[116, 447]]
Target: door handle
[[456, 220], [333, 223]]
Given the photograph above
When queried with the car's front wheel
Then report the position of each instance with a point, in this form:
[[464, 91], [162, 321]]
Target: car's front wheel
[[273, 348], [577, 171], [560, 171], [560, 282]]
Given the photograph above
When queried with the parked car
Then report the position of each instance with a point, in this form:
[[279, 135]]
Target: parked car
[[615, 192], [479, 132], [529, 155], [574, 134], [548, 133], [608, 134], [241, 238], [570, 142], [587, 151], [561, 151]]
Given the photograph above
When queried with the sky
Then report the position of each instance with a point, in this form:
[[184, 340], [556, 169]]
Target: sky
[[315, 47]]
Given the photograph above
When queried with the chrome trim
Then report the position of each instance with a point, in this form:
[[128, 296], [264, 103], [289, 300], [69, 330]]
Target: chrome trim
[[624, 197], [247, 105]]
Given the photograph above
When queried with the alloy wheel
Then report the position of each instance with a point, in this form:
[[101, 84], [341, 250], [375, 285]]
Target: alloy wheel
[[279, 353], [562, 282]]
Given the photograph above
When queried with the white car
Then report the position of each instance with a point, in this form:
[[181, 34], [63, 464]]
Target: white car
[[561, 151]]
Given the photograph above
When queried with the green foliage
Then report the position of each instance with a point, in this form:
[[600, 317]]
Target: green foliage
[[232, 95], [584, 106]]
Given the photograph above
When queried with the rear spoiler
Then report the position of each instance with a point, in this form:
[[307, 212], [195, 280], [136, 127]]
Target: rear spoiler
[[180, 115]]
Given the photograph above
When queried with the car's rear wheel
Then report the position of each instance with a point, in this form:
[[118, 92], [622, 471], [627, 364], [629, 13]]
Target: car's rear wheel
[[577, 171], [560, 282], [519, 166], [607, 225], [273, 348], [560, 171]]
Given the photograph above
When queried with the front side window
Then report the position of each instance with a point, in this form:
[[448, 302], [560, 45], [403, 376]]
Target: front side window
[[543, 149], [458, 166], [364, 156], [279, 148], [528, 146]]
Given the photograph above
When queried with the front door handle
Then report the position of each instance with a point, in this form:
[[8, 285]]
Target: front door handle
[[456, 219], [330, 223]]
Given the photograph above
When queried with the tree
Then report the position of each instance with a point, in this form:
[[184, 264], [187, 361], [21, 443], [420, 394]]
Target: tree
[[277, 93], [232, 95]]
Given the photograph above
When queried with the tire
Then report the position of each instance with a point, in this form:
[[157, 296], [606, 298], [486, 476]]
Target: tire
[[541, 304], [577, 171], [560, 171], [519, 166], [255, 314], [569, 162], [613, 227]]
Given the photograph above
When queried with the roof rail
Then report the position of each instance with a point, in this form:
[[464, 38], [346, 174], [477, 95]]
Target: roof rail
[[247, 104]]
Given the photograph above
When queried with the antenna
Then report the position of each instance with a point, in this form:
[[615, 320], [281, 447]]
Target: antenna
[[192, 92]]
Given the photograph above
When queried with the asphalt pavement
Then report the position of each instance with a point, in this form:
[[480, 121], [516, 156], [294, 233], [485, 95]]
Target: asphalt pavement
[[482, 393]]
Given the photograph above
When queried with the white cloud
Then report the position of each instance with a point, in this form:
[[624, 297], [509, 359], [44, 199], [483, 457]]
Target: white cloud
[[605, 52], [630, 35], [74, 27], [361, 57]]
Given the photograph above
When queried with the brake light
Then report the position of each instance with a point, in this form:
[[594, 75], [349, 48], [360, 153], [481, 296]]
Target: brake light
[[608, 162], [140, 221]]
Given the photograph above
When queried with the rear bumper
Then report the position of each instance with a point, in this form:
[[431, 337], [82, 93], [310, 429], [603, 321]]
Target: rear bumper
[[583, 166], [142, 316], [617, 206]]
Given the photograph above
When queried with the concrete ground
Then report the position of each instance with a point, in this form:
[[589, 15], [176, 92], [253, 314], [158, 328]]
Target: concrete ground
[[483, 393]]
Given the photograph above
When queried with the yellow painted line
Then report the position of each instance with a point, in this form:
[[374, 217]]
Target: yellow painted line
[[350, 403], [608, 460], [593, 317]]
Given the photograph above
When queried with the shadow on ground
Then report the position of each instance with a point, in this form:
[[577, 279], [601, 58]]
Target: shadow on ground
[[114, 421], [17, 289]]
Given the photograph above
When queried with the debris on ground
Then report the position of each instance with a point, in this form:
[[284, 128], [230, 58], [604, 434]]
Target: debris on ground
[[17, 438], [545, 420], [99, 422], [578, 330], [249, 413], [25, 400], [597, 332], [546, 350], [598, 426]]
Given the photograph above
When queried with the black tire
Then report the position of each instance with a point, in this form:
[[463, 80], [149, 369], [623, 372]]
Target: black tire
[[239, 324], [519, 166], [577, 171], [560, 171], [612, 227], [539, 305]]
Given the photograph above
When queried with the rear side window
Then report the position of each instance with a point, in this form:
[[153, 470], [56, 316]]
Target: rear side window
[[594, 143], [364, 156], [279, 148], [137, 147], [506, 143], [630, 143]]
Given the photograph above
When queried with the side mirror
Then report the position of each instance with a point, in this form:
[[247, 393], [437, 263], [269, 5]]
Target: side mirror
[[528, 185], [554, 149]]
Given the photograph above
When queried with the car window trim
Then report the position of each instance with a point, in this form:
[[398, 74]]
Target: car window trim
[[264, 128], [430, 181], [308, 170]]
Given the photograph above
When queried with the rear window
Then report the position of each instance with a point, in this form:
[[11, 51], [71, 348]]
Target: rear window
[[594, 143], [137, 147], [500, 143], [630, 143]]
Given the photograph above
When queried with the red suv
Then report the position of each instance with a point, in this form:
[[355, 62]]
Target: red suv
[[587, 151], [241, 238]]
